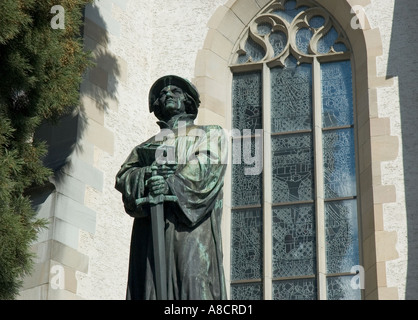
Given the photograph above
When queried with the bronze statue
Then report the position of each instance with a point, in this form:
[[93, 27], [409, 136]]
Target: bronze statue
[[178, 174]]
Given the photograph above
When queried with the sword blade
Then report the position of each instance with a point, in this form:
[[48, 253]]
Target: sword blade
[[158, 239]]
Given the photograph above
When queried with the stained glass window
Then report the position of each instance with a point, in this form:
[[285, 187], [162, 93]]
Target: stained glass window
[[246, 100], [341, 235], [337, 94], [303, 37], [246, 188], [247, 244], [292, 167], [247, 291], [247, 196], [298, 289], [291, 10], [278, 41], [291, 98], [297, 219], [254, 52], [294, 241], [247, 111], [326, 42], [341, 288], [339, 163]]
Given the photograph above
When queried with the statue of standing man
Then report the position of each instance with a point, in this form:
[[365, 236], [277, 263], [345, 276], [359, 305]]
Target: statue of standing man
[[190, 172]]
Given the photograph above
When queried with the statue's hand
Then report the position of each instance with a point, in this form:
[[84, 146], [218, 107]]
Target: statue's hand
[[157, 185], [166, 170]]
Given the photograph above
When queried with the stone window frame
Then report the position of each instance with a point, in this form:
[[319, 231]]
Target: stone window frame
[[213, 77]]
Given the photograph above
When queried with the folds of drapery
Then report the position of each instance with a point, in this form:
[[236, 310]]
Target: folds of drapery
[[197, 183]]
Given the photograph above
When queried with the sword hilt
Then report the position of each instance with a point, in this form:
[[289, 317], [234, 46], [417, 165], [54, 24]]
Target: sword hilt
[[158, 199]]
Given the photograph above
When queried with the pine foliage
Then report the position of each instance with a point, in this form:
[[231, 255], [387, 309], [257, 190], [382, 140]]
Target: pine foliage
[[41, 69]]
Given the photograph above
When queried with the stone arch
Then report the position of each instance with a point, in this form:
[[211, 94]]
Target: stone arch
[[374, 142]]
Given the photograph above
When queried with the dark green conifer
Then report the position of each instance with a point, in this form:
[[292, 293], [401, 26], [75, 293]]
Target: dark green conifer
[[41, 68]]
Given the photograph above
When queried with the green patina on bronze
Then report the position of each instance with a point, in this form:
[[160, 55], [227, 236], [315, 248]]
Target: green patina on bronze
[[192, 183]]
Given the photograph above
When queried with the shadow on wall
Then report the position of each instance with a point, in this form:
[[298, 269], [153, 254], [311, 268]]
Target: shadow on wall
[[403, 63], [99, 86]]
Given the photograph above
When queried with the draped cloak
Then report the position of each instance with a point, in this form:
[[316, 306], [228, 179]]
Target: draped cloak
[[192, 224]]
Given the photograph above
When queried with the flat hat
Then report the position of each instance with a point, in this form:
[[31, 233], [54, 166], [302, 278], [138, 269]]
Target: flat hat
[[172, 80]]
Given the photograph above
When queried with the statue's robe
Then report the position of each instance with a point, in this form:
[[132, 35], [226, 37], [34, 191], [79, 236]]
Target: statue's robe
[[192, 224]]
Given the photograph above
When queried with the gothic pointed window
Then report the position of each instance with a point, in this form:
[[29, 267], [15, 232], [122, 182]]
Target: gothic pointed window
[[294, 232]]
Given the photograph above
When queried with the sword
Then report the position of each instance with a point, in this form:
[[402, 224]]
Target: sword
[[158, 238]]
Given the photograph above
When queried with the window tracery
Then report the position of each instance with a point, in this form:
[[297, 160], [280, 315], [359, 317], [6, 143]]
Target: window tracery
[[294, 28]]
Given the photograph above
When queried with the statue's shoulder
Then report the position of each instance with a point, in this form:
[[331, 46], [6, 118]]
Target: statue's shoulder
[[144, 144]]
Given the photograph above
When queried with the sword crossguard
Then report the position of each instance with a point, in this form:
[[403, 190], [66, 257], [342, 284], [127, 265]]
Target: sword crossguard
[[155, 200]]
